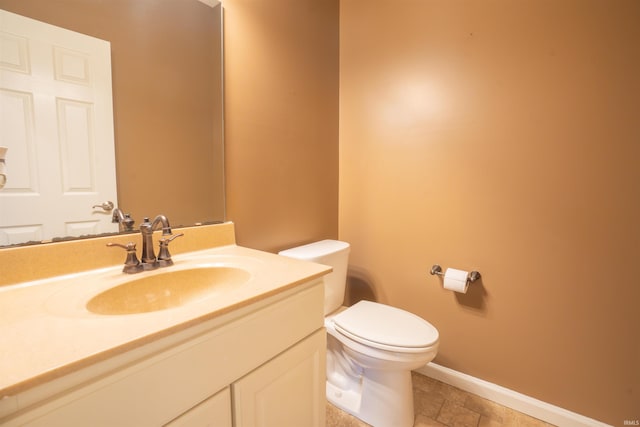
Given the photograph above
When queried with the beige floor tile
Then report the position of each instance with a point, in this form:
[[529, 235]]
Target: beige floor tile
[[486, 408], [440, 405], [436, 388], [427, 403], [453, 394], [489, 422], [339, 418], [422, 421], [518, 419], [454, 415], [425, 383]]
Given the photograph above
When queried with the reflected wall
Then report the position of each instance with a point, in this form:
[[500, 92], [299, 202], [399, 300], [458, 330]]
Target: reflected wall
[[167, 98]]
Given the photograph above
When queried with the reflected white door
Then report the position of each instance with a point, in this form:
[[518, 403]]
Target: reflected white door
[[56, 118]]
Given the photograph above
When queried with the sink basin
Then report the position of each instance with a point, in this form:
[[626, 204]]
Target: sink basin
[[167, 289]]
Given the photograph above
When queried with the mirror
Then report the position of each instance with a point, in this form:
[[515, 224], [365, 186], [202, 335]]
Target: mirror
[[166, 62]]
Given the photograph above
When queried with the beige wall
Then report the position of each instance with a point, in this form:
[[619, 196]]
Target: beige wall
[[281, 121], [501, 136]]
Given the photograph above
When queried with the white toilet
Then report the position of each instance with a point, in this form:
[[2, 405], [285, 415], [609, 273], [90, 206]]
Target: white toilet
[[371, 347]]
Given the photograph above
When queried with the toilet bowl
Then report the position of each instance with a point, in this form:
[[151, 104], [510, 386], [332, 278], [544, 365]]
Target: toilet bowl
[[371, 347], [382, 344]]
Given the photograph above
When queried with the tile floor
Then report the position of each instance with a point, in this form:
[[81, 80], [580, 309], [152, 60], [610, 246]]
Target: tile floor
[[437, 404]]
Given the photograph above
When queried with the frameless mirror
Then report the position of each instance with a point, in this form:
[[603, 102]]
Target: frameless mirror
[[166, 70]]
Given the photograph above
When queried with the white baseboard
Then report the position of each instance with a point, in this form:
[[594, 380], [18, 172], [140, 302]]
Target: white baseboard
[[509, 398]]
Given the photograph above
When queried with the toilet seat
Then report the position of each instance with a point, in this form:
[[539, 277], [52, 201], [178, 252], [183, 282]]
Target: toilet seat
[[385, 327]]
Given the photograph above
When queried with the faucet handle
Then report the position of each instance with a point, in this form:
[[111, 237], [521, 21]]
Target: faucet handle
[[131, 264], [164, 257]]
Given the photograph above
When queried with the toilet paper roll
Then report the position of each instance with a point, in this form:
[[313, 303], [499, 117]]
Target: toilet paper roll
[[456, 280]]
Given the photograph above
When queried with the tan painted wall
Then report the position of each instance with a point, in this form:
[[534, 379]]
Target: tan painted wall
[[501, 136], [281, 121]]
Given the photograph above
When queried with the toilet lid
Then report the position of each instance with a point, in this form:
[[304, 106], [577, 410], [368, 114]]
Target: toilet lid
[[384, 326]]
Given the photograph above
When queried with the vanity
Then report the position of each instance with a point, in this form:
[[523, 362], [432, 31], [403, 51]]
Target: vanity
[[247, 350]]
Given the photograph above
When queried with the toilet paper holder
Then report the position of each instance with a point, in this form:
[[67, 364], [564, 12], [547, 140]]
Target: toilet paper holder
[[471, 277]]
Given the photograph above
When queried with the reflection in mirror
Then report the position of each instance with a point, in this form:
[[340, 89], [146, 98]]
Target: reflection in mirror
[[166, 63], [56, 122], [3, 175]]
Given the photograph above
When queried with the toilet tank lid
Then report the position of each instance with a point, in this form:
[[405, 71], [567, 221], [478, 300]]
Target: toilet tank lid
[[315, 250]]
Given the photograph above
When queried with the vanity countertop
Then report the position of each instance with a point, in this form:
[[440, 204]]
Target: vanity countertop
[[46, 331]]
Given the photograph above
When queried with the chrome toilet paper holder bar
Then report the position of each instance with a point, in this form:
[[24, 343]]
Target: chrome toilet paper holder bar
[[436, 270]]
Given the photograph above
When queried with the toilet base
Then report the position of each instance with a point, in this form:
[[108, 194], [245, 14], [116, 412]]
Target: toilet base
[[384, 398], [347, 400]]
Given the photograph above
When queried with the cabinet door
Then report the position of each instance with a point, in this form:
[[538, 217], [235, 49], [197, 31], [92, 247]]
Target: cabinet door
[[287, 391], [213, 412]]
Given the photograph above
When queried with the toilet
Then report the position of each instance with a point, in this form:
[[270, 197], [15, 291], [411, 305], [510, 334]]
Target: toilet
[[371, 347]]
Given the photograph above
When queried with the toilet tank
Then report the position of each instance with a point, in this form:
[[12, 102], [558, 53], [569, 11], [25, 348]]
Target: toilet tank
[[333, 253]]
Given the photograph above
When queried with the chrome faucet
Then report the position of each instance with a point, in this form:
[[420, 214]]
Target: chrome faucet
[[149, 260]]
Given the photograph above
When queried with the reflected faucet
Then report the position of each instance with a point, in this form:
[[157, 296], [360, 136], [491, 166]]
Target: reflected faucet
[[149, 260], [125, 222]]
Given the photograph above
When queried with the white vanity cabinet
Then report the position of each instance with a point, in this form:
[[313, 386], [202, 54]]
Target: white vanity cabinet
[[286, 391], [260, 364], [213, 412]]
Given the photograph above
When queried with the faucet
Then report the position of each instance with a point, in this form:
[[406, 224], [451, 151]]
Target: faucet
[[149, 260], [125, 222]]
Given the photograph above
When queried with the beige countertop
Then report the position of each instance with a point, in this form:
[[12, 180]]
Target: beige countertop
[[46, 331]]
